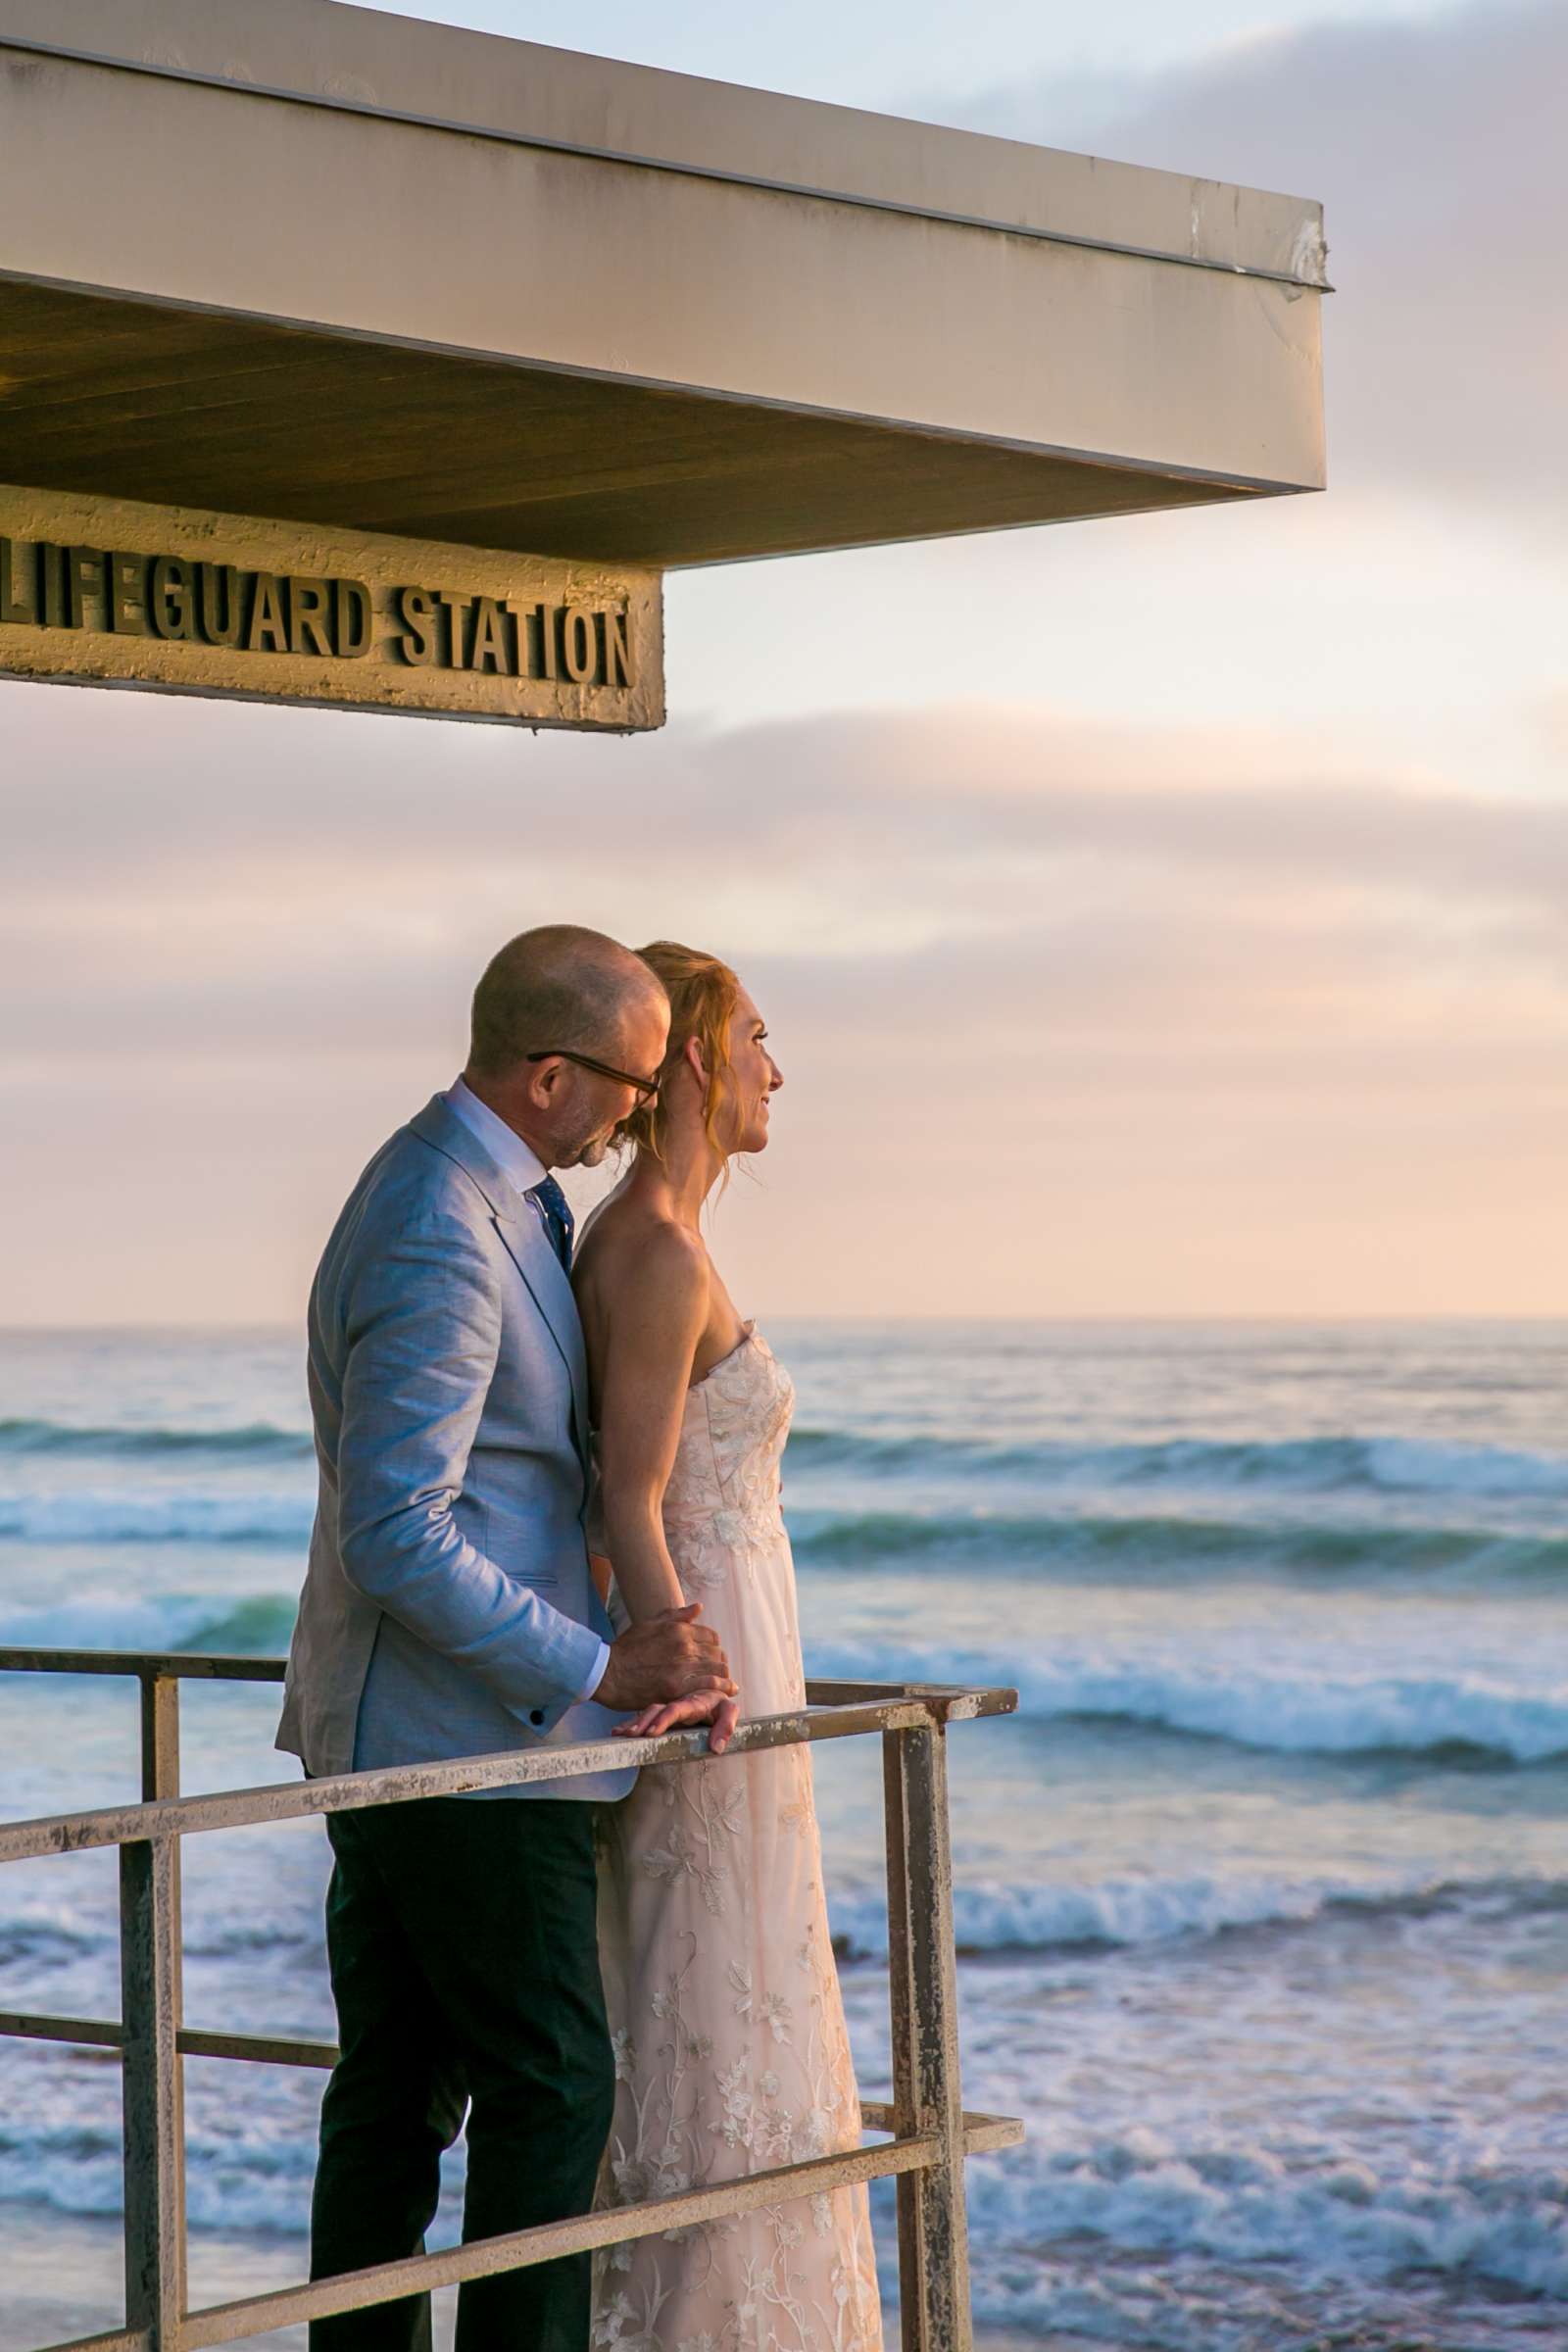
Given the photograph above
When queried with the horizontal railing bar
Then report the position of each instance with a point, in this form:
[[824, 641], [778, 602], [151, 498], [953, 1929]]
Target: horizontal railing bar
[[982, 2133], [519, 2249], [406, 1783], [260, 2049], [179, 1665], [187, 1665], [84, 2033], [119, 2339], [987, 2134], [106, 2034], [845, 1694], [268, 2049]]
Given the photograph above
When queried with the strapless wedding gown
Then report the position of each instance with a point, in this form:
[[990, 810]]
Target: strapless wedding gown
[[731, 2054]]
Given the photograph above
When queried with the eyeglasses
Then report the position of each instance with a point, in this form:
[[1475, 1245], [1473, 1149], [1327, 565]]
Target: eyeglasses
[[647, 1089]]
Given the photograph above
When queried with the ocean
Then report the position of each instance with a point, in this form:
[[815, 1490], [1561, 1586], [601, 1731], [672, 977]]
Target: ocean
[[1263, 1896]]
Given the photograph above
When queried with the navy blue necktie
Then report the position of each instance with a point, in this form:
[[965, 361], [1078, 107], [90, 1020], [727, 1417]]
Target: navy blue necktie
[[557, 1213]]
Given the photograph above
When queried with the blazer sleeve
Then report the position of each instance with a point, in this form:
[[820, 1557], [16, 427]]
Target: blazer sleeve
[[423, 1329]]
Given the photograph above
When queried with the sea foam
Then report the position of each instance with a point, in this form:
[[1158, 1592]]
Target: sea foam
[[251, 1440], [1371, 1463], [158, 1515], [1293, 1709], [1133, 1913], [1178, 1549], [1326, 2214], [246, 1624]]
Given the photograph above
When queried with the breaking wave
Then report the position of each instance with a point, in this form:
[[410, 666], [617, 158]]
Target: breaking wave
[[1130, 1913], [1321, 1465], [1385, 1465], [1150, 1549], [1466, 2227], [256, 1441], [1287, 1710], [245, 1625], [158, 1515]]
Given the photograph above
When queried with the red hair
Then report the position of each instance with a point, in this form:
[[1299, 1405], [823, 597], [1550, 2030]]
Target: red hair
[[703, 994]]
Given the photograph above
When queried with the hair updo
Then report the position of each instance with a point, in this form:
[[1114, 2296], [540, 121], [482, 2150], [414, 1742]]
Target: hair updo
[[703, 996]]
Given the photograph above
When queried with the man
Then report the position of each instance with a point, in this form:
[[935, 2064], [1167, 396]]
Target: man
[[447, 1610]]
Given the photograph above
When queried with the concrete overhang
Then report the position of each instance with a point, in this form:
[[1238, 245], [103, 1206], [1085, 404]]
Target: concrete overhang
[[315, 262]]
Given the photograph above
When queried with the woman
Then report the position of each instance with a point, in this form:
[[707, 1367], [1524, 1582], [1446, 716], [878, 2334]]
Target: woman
[[731, 2052]]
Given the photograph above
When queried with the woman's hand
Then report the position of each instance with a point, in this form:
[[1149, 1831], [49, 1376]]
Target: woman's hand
[[675, 1714]]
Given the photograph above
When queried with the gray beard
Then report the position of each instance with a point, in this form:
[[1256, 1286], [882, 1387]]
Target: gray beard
[[586, 1155]]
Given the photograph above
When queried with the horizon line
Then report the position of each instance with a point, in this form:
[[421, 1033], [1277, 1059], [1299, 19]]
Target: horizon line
[[1360, 1318]]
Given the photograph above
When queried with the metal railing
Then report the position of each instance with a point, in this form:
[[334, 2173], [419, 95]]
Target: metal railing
[[928, 2132]]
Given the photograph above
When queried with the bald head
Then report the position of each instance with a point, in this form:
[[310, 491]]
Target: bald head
[[557, 987]]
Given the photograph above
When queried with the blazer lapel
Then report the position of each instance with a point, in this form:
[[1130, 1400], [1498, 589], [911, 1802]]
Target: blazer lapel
[[533, 1254], [527, 1244]]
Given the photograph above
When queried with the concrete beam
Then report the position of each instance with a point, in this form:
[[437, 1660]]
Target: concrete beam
[[924, 329]]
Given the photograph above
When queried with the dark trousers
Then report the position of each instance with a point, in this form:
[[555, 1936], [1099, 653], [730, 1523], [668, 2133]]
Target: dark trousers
[[462, 1943]]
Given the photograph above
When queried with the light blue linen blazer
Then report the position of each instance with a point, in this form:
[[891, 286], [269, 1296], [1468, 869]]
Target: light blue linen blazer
[[448, 1608]]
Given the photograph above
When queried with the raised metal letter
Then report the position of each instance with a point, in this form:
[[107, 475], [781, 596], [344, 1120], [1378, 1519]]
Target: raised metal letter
[[489, 650], [308, 616], [578, 647], [171, 598], [127, 615], [18, 568], [455, 606], [223, 604], [269, 631], [416, 609], [84, 577], [351, 603]]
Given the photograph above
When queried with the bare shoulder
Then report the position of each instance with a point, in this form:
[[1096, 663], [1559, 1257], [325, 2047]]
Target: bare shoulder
[[663, 1266], [645, 1264]]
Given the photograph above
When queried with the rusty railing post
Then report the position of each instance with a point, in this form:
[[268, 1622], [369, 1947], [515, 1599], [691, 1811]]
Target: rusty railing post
[[160, 1735], [160, 1779], [153, 2089], [927, 2093]]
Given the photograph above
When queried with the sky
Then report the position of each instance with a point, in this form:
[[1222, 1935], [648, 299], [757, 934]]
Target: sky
[[1189, 939]]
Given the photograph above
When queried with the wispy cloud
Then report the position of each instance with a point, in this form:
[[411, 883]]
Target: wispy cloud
[[891, 835], [1149, 985]]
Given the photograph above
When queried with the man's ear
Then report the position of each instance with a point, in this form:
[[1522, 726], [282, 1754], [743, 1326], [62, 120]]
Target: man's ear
[[542, 1080]]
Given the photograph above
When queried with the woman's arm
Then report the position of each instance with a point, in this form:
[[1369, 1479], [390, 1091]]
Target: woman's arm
[[651, 1330]]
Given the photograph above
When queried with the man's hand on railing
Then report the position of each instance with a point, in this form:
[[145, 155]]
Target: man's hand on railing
[[666, 1661]]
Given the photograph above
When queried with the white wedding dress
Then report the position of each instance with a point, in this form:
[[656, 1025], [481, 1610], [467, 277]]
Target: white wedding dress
[[731, 2054]]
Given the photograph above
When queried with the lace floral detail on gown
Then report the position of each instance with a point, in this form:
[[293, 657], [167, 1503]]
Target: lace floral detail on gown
[[731, 2054]]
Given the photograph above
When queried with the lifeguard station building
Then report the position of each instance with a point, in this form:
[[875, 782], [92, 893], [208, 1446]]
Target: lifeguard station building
[[348, 358]]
